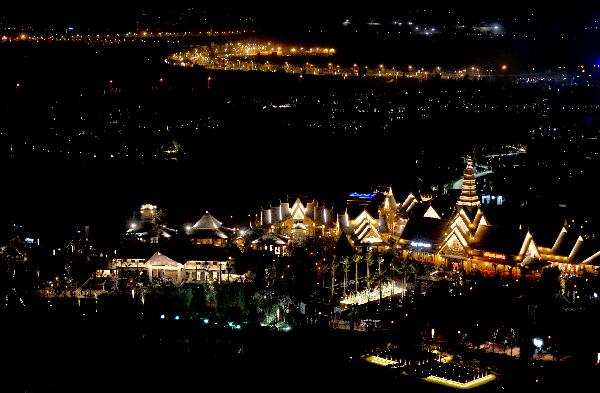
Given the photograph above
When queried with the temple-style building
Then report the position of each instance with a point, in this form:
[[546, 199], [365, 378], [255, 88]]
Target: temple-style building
[[209, 230], [468, 196], [202, 266], [461, 234], [468, 241], [280, 225], [299, 221], [152, 250], [148, 227], [372, 224]]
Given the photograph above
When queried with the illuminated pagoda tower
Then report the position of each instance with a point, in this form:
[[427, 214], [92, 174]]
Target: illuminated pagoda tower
[[468, 196]]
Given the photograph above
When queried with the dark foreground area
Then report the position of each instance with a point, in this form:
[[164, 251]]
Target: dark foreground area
[[46, 355], [172, 355]]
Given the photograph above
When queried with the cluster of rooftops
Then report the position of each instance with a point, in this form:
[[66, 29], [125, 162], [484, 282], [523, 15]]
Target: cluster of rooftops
[[464, 231]]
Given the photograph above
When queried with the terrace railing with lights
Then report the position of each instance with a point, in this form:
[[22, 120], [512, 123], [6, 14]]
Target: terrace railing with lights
[[373, 294], [452, 375]]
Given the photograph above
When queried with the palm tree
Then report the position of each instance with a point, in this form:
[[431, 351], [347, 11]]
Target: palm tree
[[357, 258], [380, 278], [395, 268], [369, 262], [511, 339], [380, 262], [494, 337], [333, 267], [407, 267], [413, 269], [324, 268], [373, 280], [345, 269]]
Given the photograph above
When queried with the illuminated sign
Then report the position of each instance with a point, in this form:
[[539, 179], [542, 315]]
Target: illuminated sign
[[419, 244], [362, 196], [538, 342], [494, 255]]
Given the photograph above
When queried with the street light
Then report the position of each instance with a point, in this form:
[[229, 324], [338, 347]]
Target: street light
[[229, 268]]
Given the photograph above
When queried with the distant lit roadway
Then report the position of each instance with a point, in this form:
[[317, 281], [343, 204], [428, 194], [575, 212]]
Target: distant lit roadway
[[271, 57]]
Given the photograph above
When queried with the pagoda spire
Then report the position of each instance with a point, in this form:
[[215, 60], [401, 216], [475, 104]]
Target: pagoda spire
[[468, 196]]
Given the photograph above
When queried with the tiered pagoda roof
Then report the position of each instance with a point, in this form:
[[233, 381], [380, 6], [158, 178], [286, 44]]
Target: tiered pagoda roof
[[468, 196]]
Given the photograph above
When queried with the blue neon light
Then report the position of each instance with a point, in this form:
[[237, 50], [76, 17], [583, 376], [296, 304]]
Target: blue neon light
[[362, 196]]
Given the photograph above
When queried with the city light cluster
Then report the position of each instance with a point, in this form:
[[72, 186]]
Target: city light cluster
[[117, 38], [270, 57]]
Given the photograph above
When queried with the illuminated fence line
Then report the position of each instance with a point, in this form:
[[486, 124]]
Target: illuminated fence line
[[461, 385], [366, 295], [380, 361]]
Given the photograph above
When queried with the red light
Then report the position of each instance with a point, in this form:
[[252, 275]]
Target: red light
[[504, 67]]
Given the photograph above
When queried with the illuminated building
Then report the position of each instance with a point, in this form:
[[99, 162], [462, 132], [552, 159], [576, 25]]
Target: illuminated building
[[272, 242], [468, 196], [299, 221], [200, 265], [468, 241], [209, 230], [153, 251], [370, 233], [461, 238], [568, 250], [148, 228]]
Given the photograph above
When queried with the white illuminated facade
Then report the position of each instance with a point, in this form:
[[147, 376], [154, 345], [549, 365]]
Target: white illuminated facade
[[299, 221], [161, 267], [310, 220]]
